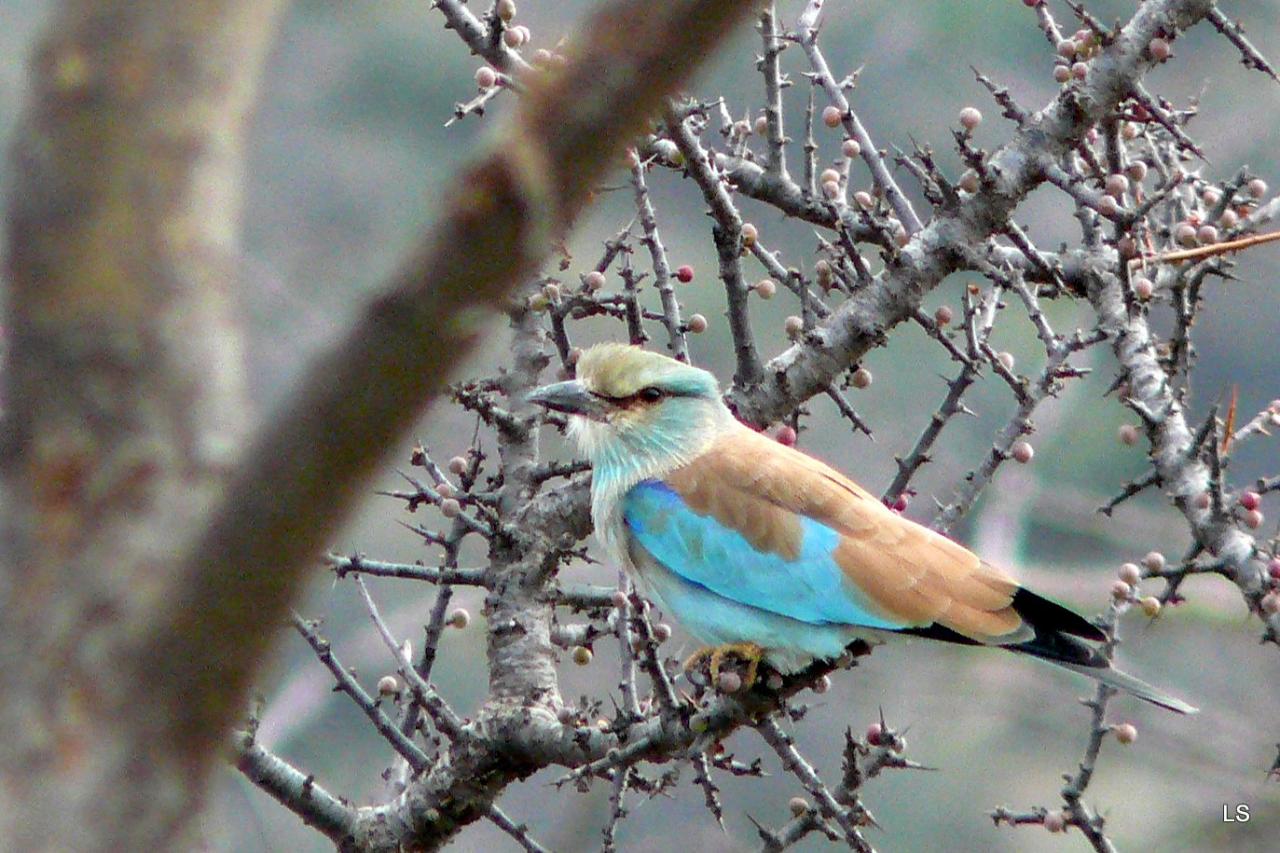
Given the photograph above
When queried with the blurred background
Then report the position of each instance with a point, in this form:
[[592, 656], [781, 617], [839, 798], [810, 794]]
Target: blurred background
[[348, 156]]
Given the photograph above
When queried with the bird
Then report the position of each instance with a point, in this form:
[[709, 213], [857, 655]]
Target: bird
[[765, 553]]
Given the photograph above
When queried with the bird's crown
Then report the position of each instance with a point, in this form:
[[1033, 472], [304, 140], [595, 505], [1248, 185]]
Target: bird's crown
[[620, 371]]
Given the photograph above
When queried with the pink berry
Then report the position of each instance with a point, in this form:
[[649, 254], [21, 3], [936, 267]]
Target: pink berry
[[1159, 49], [1250, 500], [1129, 132], [1211, 196], [829, 175], [861, 378], [593, 281], [1117, 185], [1154, 561], [864, 199], [787, 435], [1066, 48], [1022, 452], [1273, 568], [1229, 219], [970, 118], [1137, 171], [797, 806], [1061, 73], [1125, 733], [761, 125], [512, 38], [1257, 188], [1055, 821], [1143, 288], [506, 9], [1108, 206], [822, 685], [697, 324], [457, 465], [875, 734], [729, 682], [1253, 519], [1150, 606], [1130, 574], [749, 234], [1271, 603], [388, 686], [1006, 360], [662, 632], [445, 490], [450, 508], [1207, 234], [793, 326], [1120, 590], [1079, 70], [1185, 234], [831, 116], [969, 181], [486, 77], [831, 189], [619, 599], [766, 288], [851, 149], [459, 618], [943, 316], [1128, 434], [900, 503], [684, 273]]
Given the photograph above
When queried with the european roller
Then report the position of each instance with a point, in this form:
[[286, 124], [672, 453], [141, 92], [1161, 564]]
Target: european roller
[[759, 549]]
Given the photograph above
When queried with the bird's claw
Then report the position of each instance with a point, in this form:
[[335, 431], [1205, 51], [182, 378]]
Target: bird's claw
[[714, 656]]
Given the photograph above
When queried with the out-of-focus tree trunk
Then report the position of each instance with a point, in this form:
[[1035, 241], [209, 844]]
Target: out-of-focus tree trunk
[[124, 396]]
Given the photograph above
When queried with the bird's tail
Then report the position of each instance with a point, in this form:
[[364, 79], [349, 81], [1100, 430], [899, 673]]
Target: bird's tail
[[1135, 686]]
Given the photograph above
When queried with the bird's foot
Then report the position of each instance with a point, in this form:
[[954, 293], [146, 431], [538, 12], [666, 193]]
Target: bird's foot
[[714, 657]]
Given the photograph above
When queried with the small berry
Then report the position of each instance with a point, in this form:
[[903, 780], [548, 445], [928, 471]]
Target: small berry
[[1185, 234], [822, 685], [749, 234], [1055, 821], [445, 490], [900, 235], [1066, 48], [458, 465], [1273, 568], [1137, 170], [793, 326], [1229, 219], [512, 38], [762, 125], [1061, 73], [970, 118], [741, 128], [1125, 733], [684, 273], [1250, 499], [1150, 605], [875, 734], [486, 77], [619, 599], [1207, 234], [1154, 561], [662, 632], [1211, 196], [1108, 206], [459, 618], [542, 57], [1159, 49], [1006, 360], [593, 281], [551, 290], [1257, 188], [1129, 434], [798, 806], [831, 189], [1271, 603], [729, 682], [1253, 519], [1079, 70], [822, 269], [506, 9], [828, 175], [861, 378], [766, 288], [1120, 590], [1129, 132], [831, 116], [450, 508], [1143, 288], [388, 686], [786, 435], [697, 324], [581, 655], [1022, 452], [900, 503], [1130, 573], [538, 303], [1117, 185], [851, 149], [943, 316], [1127, 247], [1203, 500], [969, 181], [864, 199]]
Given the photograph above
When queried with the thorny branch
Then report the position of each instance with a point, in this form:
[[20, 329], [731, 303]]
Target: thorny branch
[[1118, 157]]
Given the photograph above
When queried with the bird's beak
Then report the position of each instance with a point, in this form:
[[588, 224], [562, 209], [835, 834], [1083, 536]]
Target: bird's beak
[[572, 398]]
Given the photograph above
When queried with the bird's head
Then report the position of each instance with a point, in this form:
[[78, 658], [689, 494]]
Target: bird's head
[[635, 406]]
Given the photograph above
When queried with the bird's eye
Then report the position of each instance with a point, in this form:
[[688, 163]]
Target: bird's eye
[[650, 394]]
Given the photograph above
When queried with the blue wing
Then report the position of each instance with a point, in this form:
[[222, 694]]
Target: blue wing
[[701, 550]]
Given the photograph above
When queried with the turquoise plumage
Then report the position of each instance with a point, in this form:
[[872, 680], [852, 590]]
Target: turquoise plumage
[[751, 544]]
